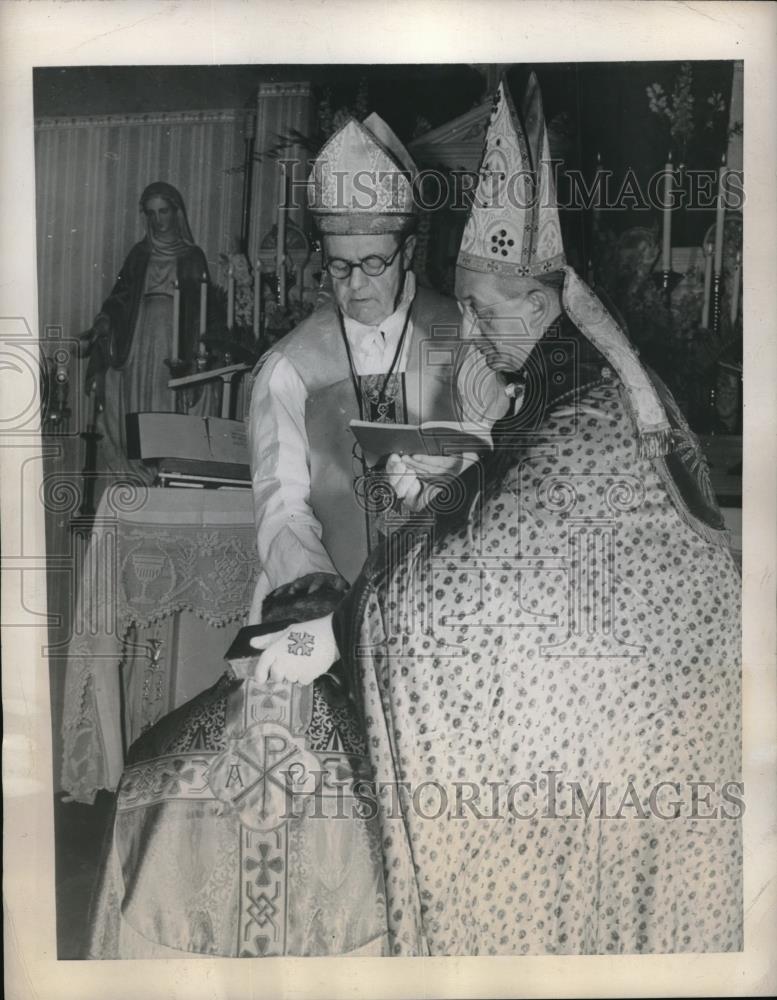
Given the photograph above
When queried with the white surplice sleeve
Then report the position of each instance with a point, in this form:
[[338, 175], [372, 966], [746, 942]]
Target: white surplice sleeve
[[288, 536]]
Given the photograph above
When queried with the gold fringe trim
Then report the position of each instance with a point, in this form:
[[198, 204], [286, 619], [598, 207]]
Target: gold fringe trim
[[715, 536], [656, 444]]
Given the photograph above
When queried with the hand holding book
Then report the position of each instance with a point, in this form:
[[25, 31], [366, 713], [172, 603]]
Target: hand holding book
[[439, 466], [416, 478], [420, 457]]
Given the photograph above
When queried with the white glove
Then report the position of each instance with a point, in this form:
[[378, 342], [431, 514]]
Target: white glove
[[298, 654], [406, 484], [440, 465]]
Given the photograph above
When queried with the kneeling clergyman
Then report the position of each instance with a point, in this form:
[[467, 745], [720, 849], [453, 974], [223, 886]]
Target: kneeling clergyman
[[240, 829]]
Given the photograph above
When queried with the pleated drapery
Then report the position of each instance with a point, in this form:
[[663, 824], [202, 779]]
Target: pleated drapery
[[281, 110], [90, 172]]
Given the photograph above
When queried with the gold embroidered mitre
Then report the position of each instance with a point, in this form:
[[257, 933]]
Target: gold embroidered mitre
[[362, 181], [513, 225], [513, 229], [547, 253]]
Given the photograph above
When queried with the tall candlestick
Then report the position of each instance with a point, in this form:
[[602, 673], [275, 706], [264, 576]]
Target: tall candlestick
[[720, 217], [176, 320], [705, 307], [717, 267], [203, 304], [735, 289], [230, 298], [282, 283], [598, 195], [257, 299], [666, 249], [280, 250]]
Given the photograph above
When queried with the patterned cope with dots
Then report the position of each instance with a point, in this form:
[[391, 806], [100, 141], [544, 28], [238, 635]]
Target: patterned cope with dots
[[582, 626]]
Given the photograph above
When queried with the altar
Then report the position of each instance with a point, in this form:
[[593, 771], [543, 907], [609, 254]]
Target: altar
[[166, 572]]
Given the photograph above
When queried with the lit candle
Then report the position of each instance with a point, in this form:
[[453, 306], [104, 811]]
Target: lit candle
[[203, 304], [735, 289], [666, 254], [230, 297], [705, 308], [176, 319], [280, 250], [720, 218], [257, 298]]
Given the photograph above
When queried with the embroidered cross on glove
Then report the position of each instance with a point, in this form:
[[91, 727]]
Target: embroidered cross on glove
[[298, 654]]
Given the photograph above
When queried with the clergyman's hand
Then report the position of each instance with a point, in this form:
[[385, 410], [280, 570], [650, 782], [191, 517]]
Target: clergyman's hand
[[430, 466], [407, 475], [404, 482], [299, 654]]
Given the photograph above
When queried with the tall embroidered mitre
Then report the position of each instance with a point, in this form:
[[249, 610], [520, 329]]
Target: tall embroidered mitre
[[513, 230], [362, 181], [513, 226]]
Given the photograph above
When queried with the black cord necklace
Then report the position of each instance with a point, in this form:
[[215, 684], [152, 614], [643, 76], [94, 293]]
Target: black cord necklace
[[389, 373]]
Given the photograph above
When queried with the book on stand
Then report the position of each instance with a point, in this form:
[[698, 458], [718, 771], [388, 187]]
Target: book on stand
[[190, 450]]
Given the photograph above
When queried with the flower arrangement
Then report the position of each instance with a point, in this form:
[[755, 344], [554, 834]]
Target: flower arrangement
[[238, 343], [276, 320], [244, 285], [279, 320], [685, 114], [677, 107]]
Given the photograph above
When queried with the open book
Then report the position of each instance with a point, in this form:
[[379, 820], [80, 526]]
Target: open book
[[435, 437]]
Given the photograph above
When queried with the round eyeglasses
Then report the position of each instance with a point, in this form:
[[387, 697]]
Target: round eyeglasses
[[373, 265]]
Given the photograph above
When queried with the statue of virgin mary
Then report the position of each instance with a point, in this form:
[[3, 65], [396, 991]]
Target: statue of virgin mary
[[131, 345]]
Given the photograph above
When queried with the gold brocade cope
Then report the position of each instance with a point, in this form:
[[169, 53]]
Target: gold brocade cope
[[581, 635], [247, 831]]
